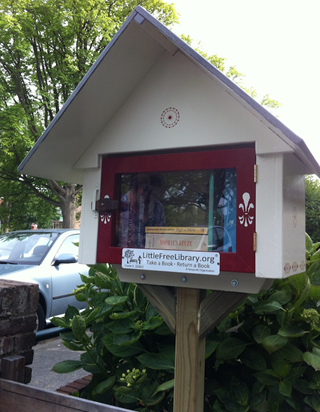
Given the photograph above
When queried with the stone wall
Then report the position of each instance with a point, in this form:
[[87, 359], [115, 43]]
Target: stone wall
[[18, 306]]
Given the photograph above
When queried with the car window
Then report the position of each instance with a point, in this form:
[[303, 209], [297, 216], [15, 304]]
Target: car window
[[70, 245], [25, 247]]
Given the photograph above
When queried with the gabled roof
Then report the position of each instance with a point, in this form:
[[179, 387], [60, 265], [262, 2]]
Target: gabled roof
[[116, 73]]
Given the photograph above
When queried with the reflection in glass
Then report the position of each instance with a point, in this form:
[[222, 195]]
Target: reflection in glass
[[25, 248], [188, 210]]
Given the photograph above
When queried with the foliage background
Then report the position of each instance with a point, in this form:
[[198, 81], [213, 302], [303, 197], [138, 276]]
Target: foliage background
[[263, 357], [313, 207]]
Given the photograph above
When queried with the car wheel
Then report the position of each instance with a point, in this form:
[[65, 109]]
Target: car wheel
[[41, 320]]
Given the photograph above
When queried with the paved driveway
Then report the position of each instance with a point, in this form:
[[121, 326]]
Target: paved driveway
[[46, 355]]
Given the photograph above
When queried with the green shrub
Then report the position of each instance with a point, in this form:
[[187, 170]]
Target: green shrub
[[264, 356]]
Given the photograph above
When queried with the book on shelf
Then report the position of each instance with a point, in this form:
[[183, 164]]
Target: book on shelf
[[192, 230], [176, 241]]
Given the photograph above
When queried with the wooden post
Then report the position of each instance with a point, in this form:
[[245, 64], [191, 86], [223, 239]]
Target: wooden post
[[191, 316], [12, 368], [190, 353]]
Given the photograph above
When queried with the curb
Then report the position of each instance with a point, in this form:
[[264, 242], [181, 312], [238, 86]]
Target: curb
[[75, 386]]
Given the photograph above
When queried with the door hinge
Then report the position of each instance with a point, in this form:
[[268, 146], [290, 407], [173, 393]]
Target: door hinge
[[255, 241], [255, 173]]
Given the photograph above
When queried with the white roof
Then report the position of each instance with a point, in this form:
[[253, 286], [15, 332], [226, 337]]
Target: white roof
[[126, 60]]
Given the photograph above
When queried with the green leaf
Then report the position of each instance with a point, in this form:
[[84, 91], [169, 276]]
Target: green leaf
[[127, 339], [234, 407], [122, 315], [223, 394], [304, 295], [151, 312], [92, 316], [154, 400], [241, 393], [295, 373], [291, 331], [102, 281], [139, 299], [316, 255], [280, 365], [266, 378], [122, 389], [153, 323], [253, 360], [308, 243], [60, 322], [298, 283], [86, 279], [71, 312], [291, 353], [98, 298], [260, 332], [312, 359], [230, 348], [302, 386], [68, 366], [104, 309], [130, 397], [121, 351], [156, 361], [211, 346], [67, 336], [315, 293], [79, 326], [274, 342], [166, 386], [105, 385], [163, 330], [121, 326], [285, 388], [313, 401], [281, 296], [257, 400], [116, 300], [81, 297], [269, 307], [274, 399]]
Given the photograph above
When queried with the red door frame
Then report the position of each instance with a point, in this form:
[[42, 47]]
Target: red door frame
[[243, 260]]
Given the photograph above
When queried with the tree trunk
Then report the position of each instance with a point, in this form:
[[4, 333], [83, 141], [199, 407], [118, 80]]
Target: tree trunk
[[68, 209], [67, 195]]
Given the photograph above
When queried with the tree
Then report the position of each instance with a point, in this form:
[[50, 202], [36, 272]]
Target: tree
[[46, 47], [312, 185], [21, 208]]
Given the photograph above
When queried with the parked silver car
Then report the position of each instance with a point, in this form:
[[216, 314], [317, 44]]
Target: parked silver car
[[49, 258]]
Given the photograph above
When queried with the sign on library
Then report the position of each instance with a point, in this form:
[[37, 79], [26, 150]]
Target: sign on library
[[171, 261]]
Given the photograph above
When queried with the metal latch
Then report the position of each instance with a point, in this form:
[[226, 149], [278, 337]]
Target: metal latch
[[107, 205]]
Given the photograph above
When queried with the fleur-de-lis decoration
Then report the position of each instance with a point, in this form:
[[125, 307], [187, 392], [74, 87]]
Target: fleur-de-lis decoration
[[246, 219], [105, 218]]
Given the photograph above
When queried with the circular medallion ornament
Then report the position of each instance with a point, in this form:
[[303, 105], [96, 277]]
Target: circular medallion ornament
[[170, 117]]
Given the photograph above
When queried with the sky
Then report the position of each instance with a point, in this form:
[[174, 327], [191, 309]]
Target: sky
[[275, 43]]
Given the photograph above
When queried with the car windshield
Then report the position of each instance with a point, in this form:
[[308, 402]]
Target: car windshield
[[25, 248]]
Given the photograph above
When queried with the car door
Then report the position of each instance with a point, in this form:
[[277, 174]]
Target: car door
[[66, 278]]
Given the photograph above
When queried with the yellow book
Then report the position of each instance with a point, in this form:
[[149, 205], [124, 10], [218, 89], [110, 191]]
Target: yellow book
[[176, 241], [183, 230]]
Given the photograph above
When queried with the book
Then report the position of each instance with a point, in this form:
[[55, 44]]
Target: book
[[194, 230], [176, 241]]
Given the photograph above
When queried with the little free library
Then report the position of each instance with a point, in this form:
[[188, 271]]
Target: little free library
[[188, 184]]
